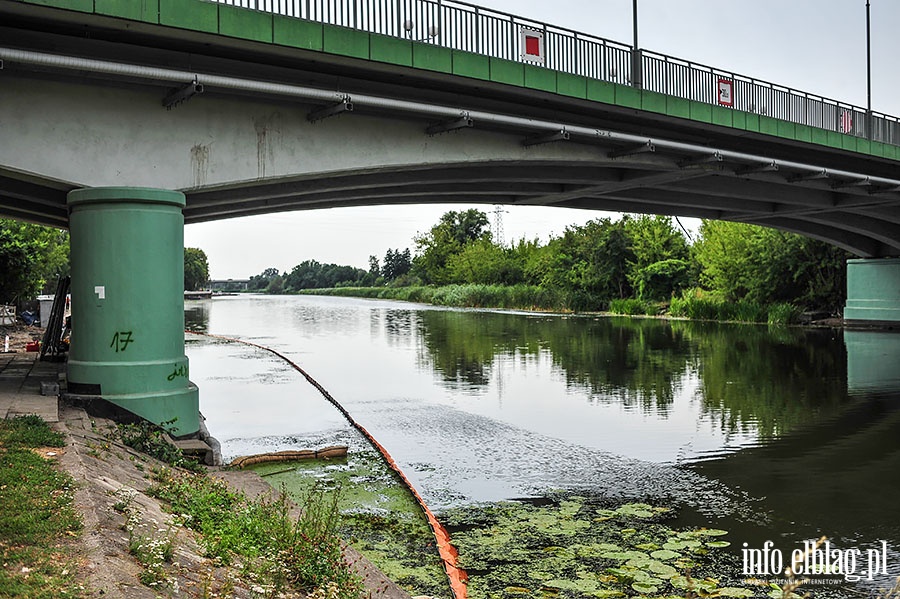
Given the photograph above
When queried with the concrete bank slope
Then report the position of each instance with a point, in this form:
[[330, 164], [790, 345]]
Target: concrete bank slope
[[110, 475]]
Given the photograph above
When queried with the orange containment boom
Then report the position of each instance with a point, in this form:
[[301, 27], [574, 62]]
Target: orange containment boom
[[449, 556]]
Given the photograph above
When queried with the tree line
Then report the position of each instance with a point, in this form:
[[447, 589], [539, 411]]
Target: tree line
[[635, 257], [588, 267]]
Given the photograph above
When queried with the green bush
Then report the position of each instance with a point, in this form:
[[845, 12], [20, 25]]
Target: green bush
[[148, 438], [678, 307]]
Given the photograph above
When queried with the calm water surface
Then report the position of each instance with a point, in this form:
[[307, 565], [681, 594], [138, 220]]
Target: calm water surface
[[773, 434]]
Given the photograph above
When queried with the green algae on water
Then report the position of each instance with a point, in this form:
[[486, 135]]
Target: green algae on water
[[379, 516], [570, 547], [564, 546]]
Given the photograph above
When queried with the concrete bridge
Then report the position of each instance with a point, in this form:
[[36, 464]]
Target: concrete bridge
[[205, 110]]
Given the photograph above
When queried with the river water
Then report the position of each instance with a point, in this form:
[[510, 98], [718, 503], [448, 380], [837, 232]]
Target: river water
[[780, 434]]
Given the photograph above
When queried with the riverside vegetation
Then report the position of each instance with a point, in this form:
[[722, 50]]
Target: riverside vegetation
[[634, 265], [278, 553], [271, 553]]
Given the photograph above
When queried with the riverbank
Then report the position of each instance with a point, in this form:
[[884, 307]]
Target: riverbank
[[693, 306], [121, 540]]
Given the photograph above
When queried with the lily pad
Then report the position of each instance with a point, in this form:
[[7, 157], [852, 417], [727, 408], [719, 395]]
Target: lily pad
[[641, 563], [718, 544], [563, 552], [644, 588], [674, 545], [712, 532], [624, 574], [647, 546], [734, 592], [665, 554], [624, 555], [662, 570]]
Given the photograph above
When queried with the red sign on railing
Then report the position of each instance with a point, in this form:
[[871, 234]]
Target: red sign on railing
[[532, 45], [725, 92]]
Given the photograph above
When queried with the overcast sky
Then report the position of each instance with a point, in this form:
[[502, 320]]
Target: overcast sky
[[817, 46]]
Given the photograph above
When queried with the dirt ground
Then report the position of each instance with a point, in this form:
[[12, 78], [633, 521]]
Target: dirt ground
[[19, 336], [109, 474]]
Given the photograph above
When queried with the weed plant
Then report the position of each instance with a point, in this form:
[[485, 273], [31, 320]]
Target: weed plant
[[698, 307], [149, 438], [37, 515], [153, 550], [632, 307], [783, 313], [279, 552]]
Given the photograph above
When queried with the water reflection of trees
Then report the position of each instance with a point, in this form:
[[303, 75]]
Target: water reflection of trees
[[460, 346], [769, 379], [600, 355], [399, 326], [752, 378]]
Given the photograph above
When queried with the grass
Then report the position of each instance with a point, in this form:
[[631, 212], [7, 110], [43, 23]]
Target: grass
[[278, 552], [633, 307], [693, 305], [37, 516], [714, 308]]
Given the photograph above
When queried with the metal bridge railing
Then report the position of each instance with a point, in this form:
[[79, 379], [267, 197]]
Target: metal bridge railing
[[463, 26]]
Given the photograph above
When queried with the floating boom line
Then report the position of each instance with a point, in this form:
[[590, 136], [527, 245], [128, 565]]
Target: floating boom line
[[456, 575]]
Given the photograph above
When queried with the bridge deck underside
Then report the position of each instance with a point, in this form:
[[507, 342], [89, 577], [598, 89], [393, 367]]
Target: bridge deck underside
[[863, 222], [853, 217]]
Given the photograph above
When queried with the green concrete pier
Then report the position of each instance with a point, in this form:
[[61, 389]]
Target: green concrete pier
[[873, 291], [127, 248]]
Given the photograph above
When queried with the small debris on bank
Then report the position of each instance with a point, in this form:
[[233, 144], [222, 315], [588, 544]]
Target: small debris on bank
[[290, 455]]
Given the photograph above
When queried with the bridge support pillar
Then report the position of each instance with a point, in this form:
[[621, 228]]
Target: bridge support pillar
[[873, 291], [127, 254]]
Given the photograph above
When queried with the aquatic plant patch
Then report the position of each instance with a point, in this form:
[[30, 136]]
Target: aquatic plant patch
[[379, 517], [575, 547]]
